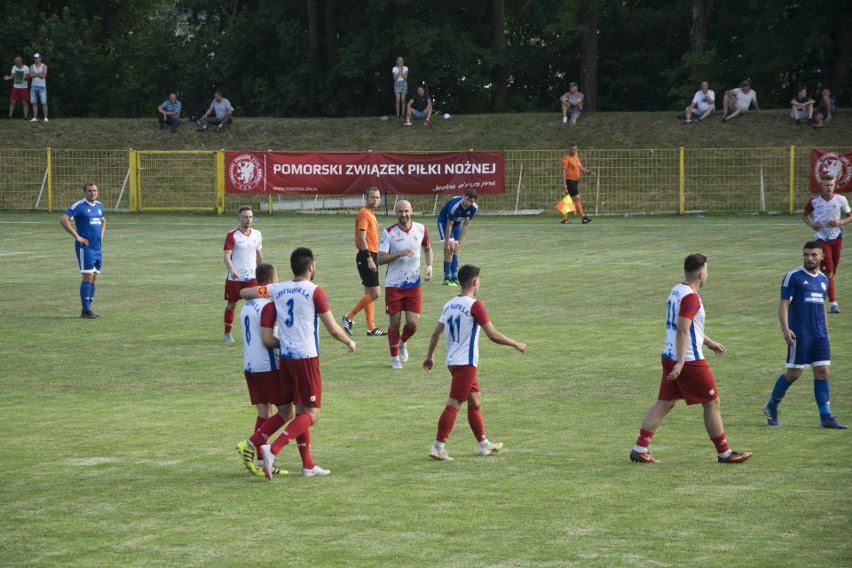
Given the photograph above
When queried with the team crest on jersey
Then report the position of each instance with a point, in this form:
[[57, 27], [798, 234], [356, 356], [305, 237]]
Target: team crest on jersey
[[245, 172], [823, 286], [836, 164]]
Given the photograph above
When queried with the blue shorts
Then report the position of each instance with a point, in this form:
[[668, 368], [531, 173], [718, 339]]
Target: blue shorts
[[799, 114], [418, 113], [400, 87], [38, 93], [455, 234], [89, 260], [809, 352]]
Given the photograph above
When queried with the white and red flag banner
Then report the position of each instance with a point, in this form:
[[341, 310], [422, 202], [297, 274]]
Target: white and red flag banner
[[838, 164], [327, 173]]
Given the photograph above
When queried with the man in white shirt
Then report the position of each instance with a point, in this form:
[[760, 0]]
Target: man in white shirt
[[38, 86], [20, 89], [738, 101], [703, 104]]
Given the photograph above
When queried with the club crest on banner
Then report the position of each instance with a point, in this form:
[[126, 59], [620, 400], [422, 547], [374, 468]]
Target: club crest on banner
[[836, 164], [245, 172]]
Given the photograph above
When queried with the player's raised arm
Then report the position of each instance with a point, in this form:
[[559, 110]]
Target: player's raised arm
[[336, 331], [429, 361], [250, 293], [497, 337]]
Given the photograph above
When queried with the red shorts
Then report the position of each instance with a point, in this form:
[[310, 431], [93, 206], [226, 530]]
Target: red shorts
[[402, 300], [464, 381], [233, 287], [264, 387], [22, 95], [831, 255], [695, 384], [301, 382]]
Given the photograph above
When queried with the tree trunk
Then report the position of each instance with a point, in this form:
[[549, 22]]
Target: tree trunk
[[698, 35], [330, 32], [839, 78], [500, 78], [313, 30], [589, 58]]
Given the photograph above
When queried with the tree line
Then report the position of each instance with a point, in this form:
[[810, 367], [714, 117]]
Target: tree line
[[114, 58]]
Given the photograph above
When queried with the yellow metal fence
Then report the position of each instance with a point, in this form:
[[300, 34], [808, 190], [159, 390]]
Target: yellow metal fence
[[668, 180]]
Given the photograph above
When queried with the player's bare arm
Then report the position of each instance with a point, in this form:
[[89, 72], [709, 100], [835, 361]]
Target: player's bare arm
[[336, 331], [840, 222], [429, 361], [681, 339], [428, 250], [250, 293], [587, 171], [806, 219], [234, 274], [387, 257], [789, 336], [267, 337], [361, 235], [497, 337], [714, 346], [65, 222]]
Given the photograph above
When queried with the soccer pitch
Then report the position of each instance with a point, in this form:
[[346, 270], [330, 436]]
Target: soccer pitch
[[119, 433]]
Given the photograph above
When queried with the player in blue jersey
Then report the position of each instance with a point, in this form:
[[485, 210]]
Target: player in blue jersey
[[803, 323], [88, 232], [453, 220]]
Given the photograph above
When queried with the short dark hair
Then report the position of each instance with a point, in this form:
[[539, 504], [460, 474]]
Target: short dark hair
[[467, 273], [693, 263], [218, 93], [243, 208], [264, 273], [471, 193], [87, 184], [372, 188], [812, 245], [300, 260], [827, 177]]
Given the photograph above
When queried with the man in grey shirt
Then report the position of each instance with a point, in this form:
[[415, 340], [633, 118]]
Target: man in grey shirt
[[223, 111]]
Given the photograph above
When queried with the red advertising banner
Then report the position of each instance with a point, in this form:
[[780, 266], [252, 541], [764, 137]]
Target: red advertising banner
[[838, 164], [322, 173]]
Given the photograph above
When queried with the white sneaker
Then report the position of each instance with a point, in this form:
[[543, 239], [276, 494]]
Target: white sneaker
[[34, 119], [439, 454], [487, 448], [315, 471], [403, 353], [45, 119], [229, 338], [564, 119], [268, 461], [396, 363]]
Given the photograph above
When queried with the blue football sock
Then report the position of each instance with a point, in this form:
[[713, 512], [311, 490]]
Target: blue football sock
[[821, 396], [84, 295], [447, 269], [91, 293], [455, 267], [778, 392]]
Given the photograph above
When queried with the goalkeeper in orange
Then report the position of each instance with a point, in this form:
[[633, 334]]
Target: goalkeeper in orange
[[572, 168]]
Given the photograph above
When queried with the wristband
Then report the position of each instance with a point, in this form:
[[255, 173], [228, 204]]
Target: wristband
[[428, 267]]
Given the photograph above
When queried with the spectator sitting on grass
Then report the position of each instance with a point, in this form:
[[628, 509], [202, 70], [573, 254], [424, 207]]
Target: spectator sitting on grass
[[826, 108], [420, 106], [802, 106], [737, 101], [224, 113], [169, 113], [703, 104], [572, 104]]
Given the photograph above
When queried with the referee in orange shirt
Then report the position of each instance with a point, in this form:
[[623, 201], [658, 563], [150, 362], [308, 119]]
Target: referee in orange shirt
[[367, 243], [572, 167]]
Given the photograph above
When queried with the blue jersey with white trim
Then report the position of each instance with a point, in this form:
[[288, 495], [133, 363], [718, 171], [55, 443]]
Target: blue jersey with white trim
[[88, 221], [453, 211], [806, 293]]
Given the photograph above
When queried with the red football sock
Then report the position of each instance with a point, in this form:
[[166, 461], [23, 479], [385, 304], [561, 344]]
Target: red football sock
[[579, 207], [294, 429], [831, 297], [267, 429], [304, 443], [407, 331], [644, 439], [474, 418], [721, 443], [229, 320], [393, 341], [370, 313], [446, 423], [258, 422]]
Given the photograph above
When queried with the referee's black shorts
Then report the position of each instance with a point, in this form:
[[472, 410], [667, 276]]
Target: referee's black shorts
[[573, 187], [369, 278]]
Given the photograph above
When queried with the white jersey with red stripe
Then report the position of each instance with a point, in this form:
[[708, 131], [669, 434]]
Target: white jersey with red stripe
[[244, 247], [825, 211], [257, 313], [404, 272], [462, 318], [685, 302], [298, 304]]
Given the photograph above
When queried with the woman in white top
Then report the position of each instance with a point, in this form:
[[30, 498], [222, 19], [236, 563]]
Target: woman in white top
[[400, 86]]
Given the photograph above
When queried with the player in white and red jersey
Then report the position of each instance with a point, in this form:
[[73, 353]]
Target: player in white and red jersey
[[399, 248], [260, 354], [242, 255], [685, 371], [299, 303], [462, 318], [829, 212]]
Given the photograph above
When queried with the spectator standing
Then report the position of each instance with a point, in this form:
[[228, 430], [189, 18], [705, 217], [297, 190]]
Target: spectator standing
[[38, 87], [400, 86], [572, 104], [221, 109], [802, 107], [703, 104], [168, 113], [19, 75], [420, 106], [825, 109], [737, 101]]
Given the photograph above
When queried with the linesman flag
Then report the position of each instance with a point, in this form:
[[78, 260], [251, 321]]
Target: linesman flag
[[565, 205]]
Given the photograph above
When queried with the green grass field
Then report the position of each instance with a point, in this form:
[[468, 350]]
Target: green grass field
[[118, 433]]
